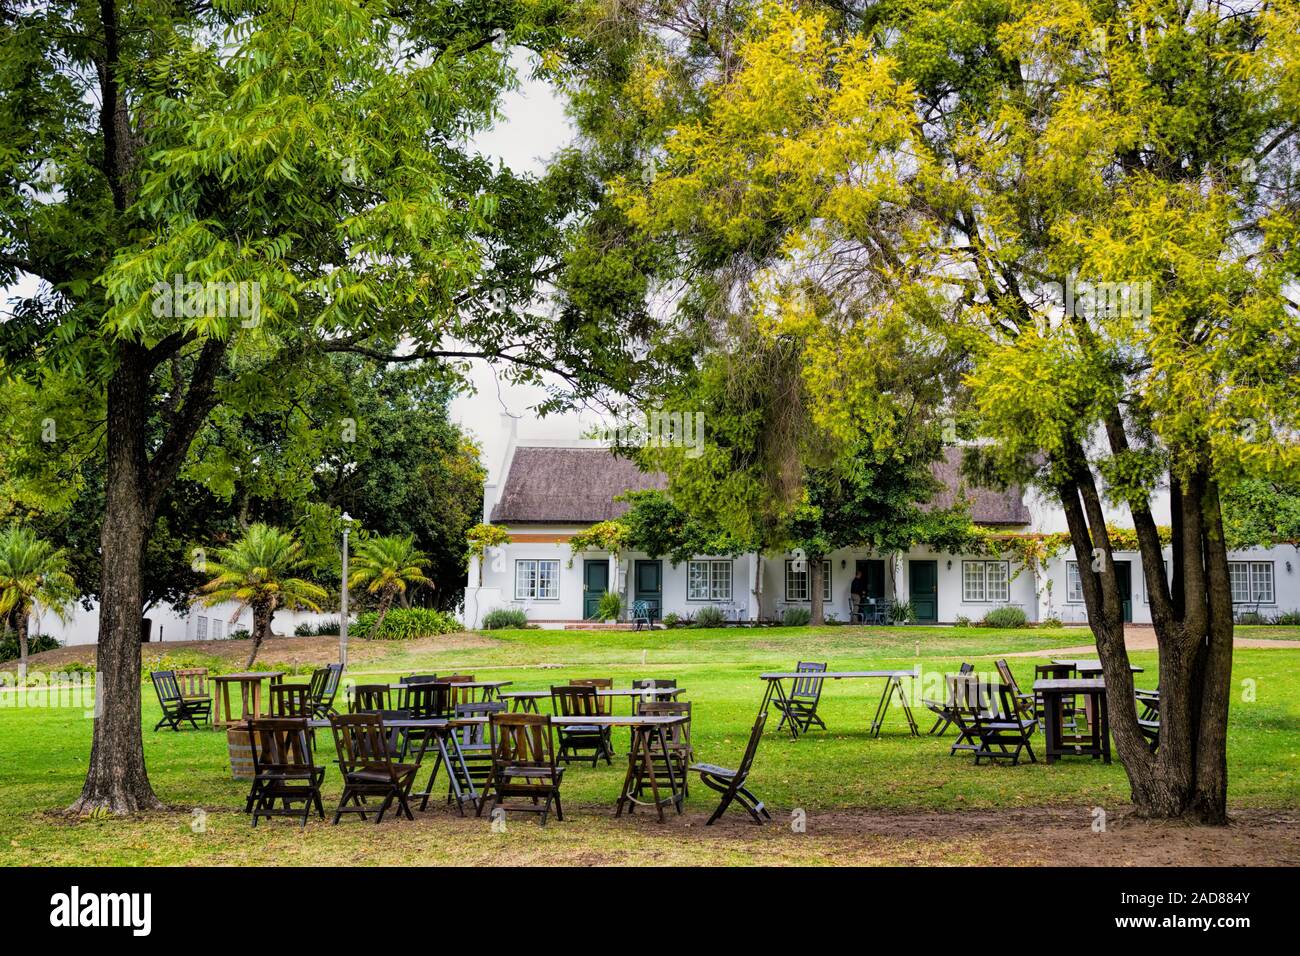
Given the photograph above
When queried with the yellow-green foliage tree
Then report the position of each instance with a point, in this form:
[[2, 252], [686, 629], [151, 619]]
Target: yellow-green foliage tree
[[1094, 201]]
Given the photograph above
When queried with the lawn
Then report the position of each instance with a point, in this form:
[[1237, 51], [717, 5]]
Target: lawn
[[847, 785]]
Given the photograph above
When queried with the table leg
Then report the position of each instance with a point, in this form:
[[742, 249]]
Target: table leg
[[654, 780], [907, 707], [218, 687], [673, 787], [778, 687], [881, 706], [257, 698], [1055, 705], [629, 780]]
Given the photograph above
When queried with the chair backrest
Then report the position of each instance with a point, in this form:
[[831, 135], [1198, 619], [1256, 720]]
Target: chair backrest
[[650, 682], [521, 740], [164, 683], [649, 686], [1053, 672], [475, 735], [418, 679], [751, 748], [361, 740], [678, 735], [291, 700], [426, 701], [1008, 678], [319, 679], [599, 683], [324, 686], [979, 698], [369, 698], [808, 688], [193, 681], [640, 611], [280, 743], [460, 695], [575, 701]]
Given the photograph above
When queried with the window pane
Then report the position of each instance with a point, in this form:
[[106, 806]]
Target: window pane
[[1261, 582], [1073, 586], [548, 579], [972, 580], [720, 581], [796, 583], [697, 581], [826, 580], [999, 586], [1239, 576]]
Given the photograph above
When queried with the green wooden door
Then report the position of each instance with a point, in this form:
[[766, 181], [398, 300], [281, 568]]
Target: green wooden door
[[649, 586], [923, 590], [1124, 578], [595, 582]]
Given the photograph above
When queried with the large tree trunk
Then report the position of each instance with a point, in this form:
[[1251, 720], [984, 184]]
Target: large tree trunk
[[815, 585], [1187, 778], [116, 779]]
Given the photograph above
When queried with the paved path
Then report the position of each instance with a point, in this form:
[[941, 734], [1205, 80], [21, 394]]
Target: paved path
[[1142, 638]]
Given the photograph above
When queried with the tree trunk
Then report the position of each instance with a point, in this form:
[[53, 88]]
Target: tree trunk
[[815, 578], [261, 629], [1187, 778], [21, 628], [116, 779]]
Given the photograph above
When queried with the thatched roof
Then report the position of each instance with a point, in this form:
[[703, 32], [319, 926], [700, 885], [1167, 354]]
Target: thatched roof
[[552, 485]]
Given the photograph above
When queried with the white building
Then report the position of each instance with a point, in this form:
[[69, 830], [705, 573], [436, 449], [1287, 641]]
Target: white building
[[167, 625], [543, 491]]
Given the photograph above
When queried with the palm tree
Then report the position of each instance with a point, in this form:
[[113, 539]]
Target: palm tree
[[257, 572], [387, 566], [33, 576]]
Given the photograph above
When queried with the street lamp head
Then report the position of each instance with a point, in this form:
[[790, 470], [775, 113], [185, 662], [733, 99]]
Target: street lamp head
[[347, 518]]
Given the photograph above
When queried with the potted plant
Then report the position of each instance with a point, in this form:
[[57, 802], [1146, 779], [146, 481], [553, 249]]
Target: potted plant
[[610, 608]]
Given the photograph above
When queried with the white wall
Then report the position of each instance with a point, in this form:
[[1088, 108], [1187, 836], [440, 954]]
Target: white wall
[[82, 627]]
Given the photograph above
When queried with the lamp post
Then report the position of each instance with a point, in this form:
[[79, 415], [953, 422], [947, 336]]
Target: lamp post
[[343, 601]]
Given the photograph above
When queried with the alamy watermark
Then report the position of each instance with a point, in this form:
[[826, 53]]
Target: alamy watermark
[[1123, 299], [213, 300], [658, 429]]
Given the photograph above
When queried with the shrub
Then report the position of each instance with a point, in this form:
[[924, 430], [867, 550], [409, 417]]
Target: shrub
[[962, 621], [1051, 622], [672, 619], [1251, 617], [1005, 617], [610, 607], [328, 628], [36, 643], [504, 617], [240, 634], [403, 624], [796, 617], [710, 617], [1289, 618], [903, 613]]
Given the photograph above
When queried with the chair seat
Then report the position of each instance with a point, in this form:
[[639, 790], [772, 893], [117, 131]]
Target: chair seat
[[525, 770], [712, 770], [380, 775]]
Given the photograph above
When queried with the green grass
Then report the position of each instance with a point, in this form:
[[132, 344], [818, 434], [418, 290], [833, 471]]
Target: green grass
[[43, 754]]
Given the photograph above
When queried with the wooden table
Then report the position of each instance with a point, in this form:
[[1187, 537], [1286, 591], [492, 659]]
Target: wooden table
[[1096, 743], [489, 687], [526, 700], [893, 682], [250, 685]]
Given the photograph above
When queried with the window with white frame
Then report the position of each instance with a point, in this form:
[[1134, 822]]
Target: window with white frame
[[1073, 583], [985, 581], [201, 629], [1252, 582], [537, 580], [796, 582], [708, 581], [216, 628]]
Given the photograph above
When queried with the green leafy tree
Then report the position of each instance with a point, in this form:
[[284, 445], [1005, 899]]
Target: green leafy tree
[[212, 198], [33, 577], [1091, 203], [258, 572], [388, 567]]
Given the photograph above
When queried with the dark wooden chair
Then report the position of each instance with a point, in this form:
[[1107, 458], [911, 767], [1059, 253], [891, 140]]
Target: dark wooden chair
[[291, 700], [523, 766], [1026, 706], [943, 709], [365, 758], [475, 747], [371, 698], [800, 707], [988, 715], [606, 704], [731, 783], [1148, 704], [175, 706], [410, 680], [324, 686], [284, 770], [962, 694], [649, 686], [571, 701], [424, 701], [460, 695], [677, 740]]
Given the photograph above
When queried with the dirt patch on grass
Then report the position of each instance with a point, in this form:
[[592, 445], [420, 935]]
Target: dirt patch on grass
[[295, 651]]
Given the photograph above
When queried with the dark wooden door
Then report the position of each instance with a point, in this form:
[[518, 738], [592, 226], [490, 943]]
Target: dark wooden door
[[1124, 578], [649, 586], [923, 590], [595, 582]]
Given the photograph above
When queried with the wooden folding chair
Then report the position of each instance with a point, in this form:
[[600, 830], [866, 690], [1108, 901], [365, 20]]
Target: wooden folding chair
[[371, 698], [649, 687], [800, 706], [996, 724], [1025, 705], [324, 686], [290, 700], [175, 707], [475, 774], [284, 769], [942, 709], [571, 701], [193, 682], [410, 680], [677, 740], [365, 757], [731, 783], [523, 766], [605, 704]]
